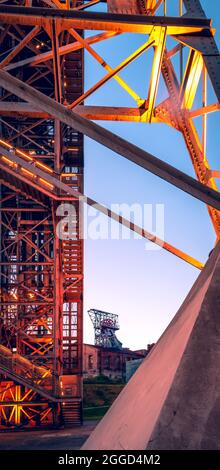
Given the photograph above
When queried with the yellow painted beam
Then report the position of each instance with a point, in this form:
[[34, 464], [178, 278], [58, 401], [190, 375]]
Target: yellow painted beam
[[159, 34], [191, 79], [114, 72], [104, 64]]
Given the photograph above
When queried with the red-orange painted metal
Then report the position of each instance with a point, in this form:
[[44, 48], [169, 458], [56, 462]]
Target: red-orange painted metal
[[41, 295], [41, 275]]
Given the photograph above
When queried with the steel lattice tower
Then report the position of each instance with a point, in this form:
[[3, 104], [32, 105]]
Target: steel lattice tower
[[43, 118], [105, 326]]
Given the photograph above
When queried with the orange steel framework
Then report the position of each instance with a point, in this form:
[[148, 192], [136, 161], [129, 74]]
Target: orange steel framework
[[43, 117]]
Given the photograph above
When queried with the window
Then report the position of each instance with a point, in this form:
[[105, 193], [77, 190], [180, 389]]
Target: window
[[90, 361]]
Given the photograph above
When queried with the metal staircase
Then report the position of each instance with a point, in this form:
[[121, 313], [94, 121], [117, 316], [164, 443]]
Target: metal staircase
[[41, 275], [71, 413], [24, 174], [25, 373], [72, 245]]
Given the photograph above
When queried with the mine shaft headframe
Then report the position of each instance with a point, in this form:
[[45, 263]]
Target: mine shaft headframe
[[33, 180], [105, 326], [99, 316]]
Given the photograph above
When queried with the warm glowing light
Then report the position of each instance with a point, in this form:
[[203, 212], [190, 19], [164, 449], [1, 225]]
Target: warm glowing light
[[191, 79], [160, 40], [9, 162], [14, 295], [28, 157], [24, 155], [46, 183], [27, 172], [45, 167], [5, 144], [31, 295], [113, 73]]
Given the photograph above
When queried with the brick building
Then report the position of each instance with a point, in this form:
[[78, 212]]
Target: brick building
[[108, 361]]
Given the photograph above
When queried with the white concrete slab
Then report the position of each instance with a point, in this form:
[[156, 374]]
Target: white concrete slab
[[130, 422]]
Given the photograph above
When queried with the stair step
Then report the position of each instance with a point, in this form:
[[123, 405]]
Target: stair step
[[71, 413]]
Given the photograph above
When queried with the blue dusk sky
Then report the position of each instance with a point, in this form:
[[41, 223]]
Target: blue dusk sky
[[145, 288]]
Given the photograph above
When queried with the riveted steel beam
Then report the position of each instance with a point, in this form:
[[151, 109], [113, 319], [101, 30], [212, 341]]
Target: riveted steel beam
[[112, 141]]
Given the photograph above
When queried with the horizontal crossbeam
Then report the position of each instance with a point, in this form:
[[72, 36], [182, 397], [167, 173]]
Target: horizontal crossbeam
[[112, 141], [101, 21], [94, 113]]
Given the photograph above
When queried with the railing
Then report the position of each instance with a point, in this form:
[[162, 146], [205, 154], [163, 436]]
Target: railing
[[34, 376]]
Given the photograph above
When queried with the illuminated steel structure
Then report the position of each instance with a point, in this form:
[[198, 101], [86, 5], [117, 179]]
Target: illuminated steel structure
[[43, 118]]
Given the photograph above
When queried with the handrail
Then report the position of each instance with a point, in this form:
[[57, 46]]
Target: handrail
[[27, 373]]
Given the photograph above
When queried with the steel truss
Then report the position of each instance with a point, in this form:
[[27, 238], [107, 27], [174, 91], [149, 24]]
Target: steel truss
[[43, 118]]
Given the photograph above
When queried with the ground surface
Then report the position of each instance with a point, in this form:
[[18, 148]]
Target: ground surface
[[98, 397], [65, 439]]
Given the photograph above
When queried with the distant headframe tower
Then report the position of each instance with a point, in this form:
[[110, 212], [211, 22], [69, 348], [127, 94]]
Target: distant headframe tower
[[44, 115], [105, 326]]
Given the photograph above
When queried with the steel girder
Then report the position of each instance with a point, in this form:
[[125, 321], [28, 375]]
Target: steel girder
[[41, 275], [43, 49]]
